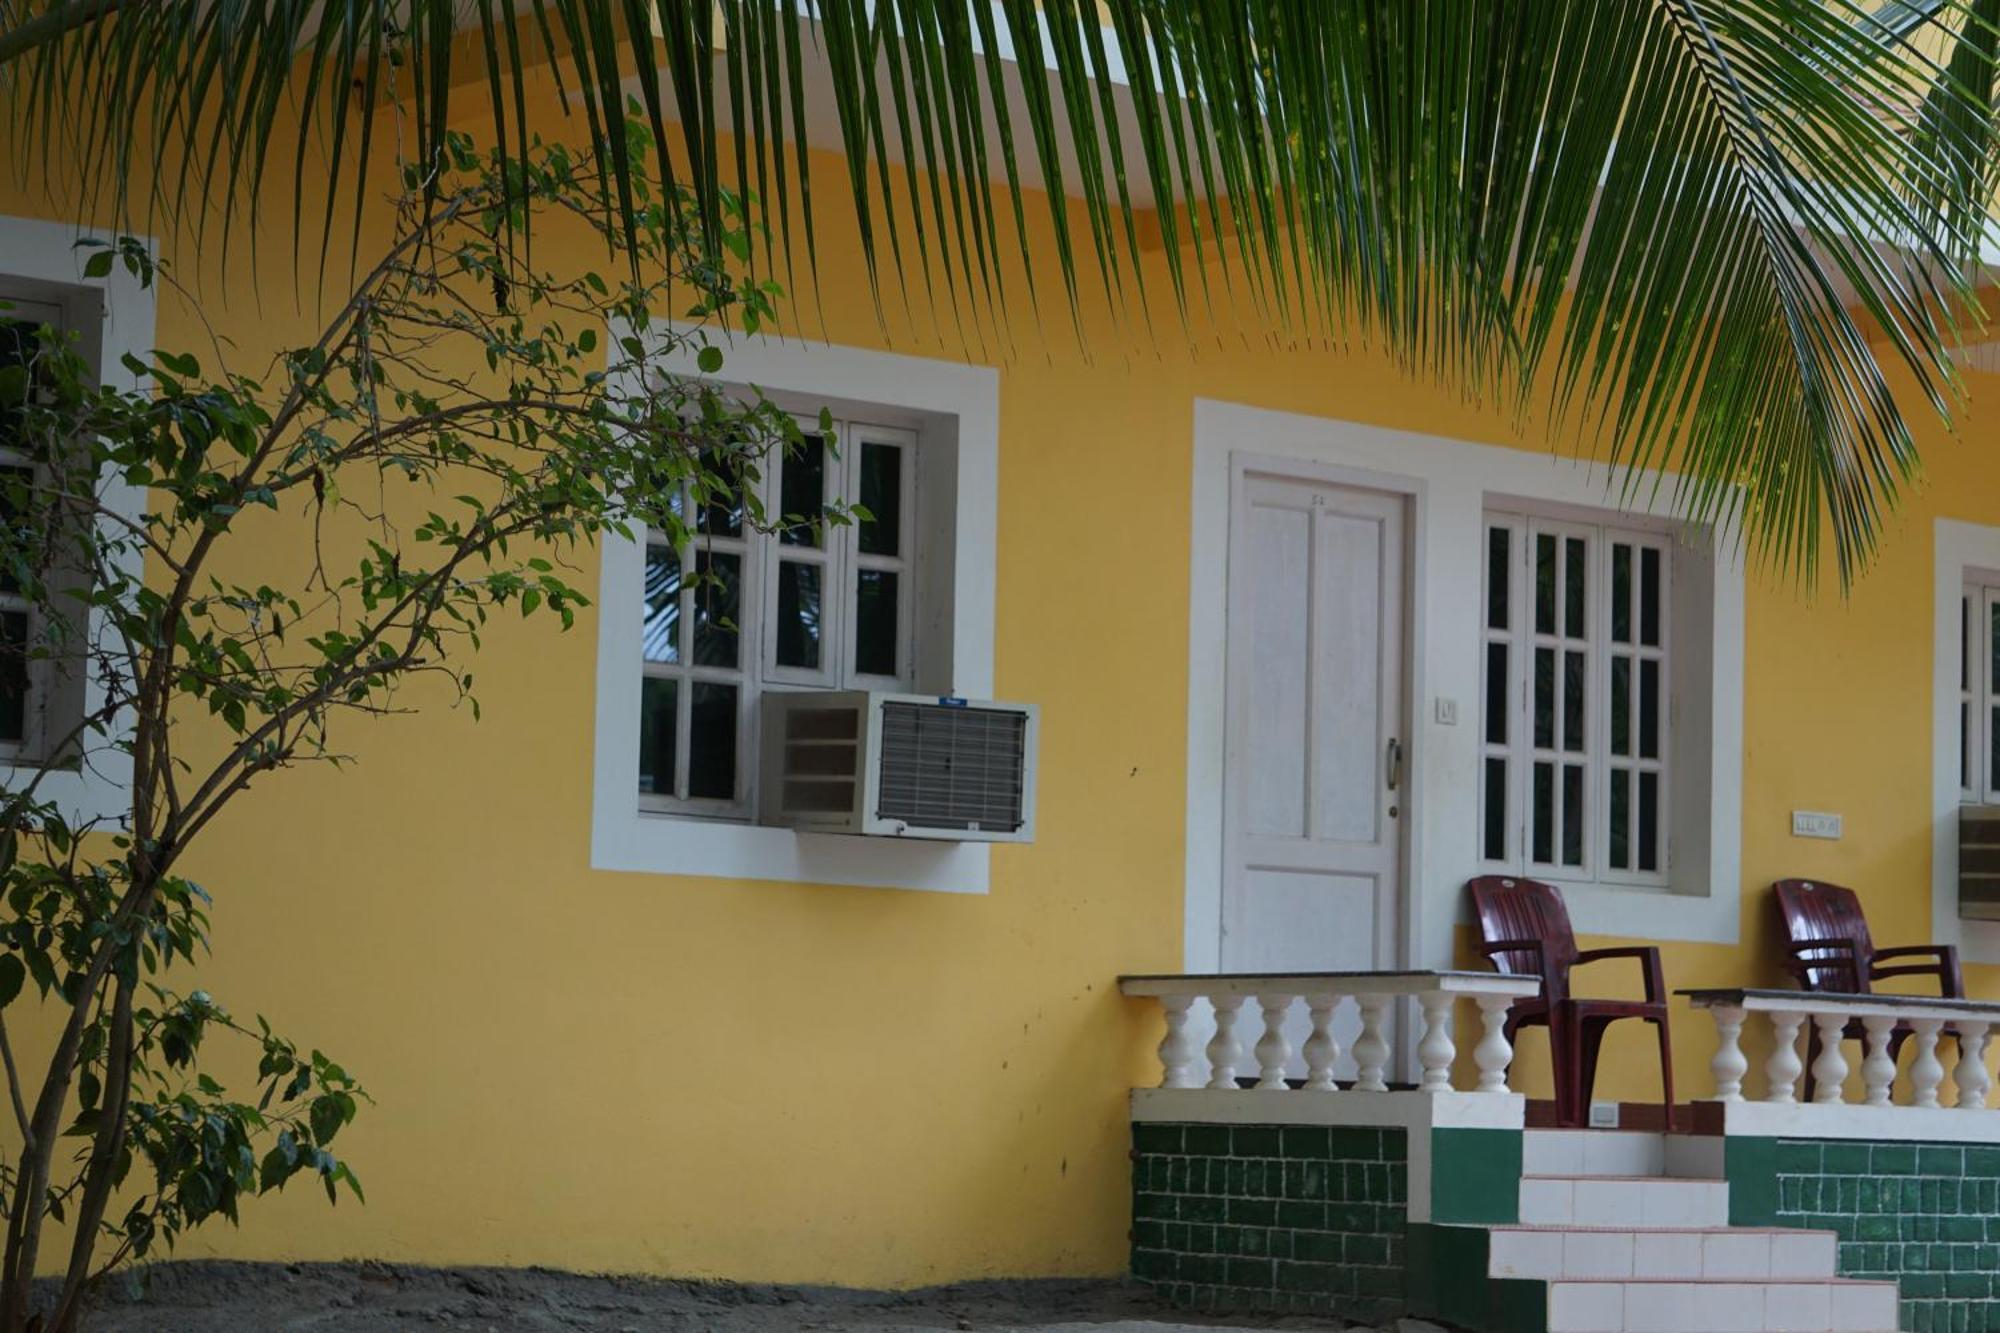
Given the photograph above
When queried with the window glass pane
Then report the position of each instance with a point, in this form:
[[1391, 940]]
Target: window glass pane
[[661, 634], [798, 614], [659, 728], [1544, 812], [1964, 633], [1572, 814], [1992, 748], [1621, 704], [802, 494], [722, 510], [1649, 821], [1649, 709], [1620, 851], [1496, 694], [718, 601], [1649, 596], [1964, 745], [1573, 678], [1993, 643], [875, 623], [1545, 584], [1497, 541], [19, 343], [712, 742], [13, 676], [1574, 570], [1621, 593], [15, 496], [882, 497], [1493, 842], [1545, 697]]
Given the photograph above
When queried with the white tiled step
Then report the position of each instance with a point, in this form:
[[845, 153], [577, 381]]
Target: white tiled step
[[1721, 1307], [1614, 1201], [1599, 1152], [1599, 1254]]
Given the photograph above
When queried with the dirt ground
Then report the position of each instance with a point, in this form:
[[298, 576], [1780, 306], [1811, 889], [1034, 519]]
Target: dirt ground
[[202, 1297]]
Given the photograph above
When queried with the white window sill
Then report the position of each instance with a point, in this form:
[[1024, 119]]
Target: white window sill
[[1652, 912], [662, 844]]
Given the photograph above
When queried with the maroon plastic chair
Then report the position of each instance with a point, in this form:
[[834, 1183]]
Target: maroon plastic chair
[[1828, 949], [1524, 931]]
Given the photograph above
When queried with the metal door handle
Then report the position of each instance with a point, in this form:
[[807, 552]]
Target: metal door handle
[[1395, 763]]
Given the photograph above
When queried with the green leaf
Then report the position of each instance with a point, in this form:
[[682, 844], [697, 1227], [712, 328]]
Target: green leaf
[[12, 974], [327, 1116], [99, 264], [709, 359]]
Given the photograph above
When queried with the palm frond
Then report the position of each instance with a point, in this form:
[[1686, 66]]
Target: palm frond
[[1702, 229]]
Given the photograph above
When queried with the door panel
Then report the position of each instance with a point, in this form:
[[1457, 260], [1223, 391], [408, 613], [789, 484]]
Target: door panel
[[1312, 827]]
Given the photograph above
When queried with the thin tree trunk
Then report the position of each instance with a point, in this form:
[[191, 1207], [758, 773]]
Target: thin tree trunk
[[103, 1165]]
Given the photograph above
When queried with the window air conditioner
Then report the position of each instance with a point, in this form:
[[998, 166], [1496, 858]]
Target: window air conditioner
[[1979, 862], [899, 765]]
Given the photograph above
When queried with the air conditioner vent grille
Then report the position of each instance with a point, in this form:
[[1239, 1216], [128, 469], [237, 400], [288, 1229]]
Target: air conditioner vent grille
[[953, 768]]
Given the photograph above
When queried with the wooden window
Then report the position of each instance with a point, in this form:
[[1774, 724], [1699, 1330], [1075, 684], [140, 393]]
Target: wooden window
[[1574, 700], [808, 604]]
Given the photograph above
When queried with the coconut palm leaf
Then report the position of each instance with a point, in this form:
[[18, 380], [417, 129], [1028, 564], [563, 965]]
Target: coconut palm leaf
[[1698, 228]]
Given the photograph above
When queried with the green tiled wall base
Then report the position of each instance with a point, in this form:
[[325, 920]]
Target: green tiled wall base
[[1923, 1215], [1275, 1218], [1448, 1281]]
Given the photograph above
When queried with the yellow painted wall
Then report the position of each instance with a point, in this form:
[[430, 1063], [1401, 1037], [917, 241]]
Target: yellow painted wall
[[781, 1082]]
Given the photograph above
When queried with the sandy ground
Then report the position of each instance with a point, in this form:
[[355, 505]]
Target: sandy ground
[[200, 1297]]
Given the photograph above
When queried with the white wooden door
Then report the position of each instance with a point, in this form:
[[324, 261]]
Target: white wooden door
[[1312, 849]]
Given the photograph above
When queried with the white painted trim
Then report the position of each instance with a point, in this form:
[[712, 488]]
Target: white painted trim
[[1451, 484], [1884, 1124], [1396, 1110], [962, 398], [41, 253], [1963, 550]]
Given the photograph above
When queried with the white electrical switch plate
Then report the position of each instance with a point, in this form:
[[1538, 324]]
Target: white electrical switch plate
[[1447, 712], [1815, 824], [1604, 1115]]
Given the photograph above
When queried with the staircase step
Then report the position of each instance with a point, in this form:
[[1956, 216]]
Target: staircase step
[[1688, 1254], [1721, 1307], [1648, 1202], [1603, 1152]]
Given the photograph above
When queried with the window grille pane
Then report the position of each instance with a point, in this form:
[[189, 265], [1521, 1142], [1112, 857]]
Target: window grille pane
[[1620, 851], [1575, 570], [1573, 691], [875, 623], [1572, 814], [660, 636], [1993, 643], [712, 742], [20, 341], [1992, 748], [1496, 694], [1544, 813], [1649, 709], [1621, 593], [1494, 819], [1545, 584], [1649, 597], [1964, 745], [1545, 698], [1964, 641], [802, 494], [718, 604], [1621, 704], [13, 676], [882, 497], [659, 732], [798, 615], [722, 508], [1649, 821], [1497, 542]]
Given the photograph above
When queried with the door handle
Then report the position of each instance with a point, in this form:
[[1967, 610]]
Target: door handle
[[1394, 763]]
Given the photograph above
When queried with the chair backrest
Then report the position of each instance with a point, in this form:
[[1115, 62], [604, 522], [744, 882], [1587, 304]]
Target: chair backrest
[[1816, 911], [1526, 909]]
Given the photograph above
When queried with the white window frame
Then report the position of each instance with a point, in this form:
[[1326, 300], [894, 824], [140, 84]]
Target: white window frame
[[1521, 750], [1978, 691], [841, 561], [955, 409], [1965, 556], [114, 318]]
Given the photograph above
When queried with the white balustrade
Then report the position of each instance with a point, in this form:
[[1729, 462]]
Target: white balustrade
[[1887, 1025], [1327, 996]]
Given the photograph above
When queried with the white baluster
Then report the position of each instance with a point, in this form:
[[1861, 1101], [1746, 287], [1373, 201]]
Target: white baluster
[[1729, 1065], [1177, 1049], [1273, 1051], [1878, 1071], [1925, 1071], [1782, 1070], [1436, 1051], [1322, 1050], [1971, 1077], [1493, 1054], [1371, 1048], [1223, 1048], [1830, 1070]]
